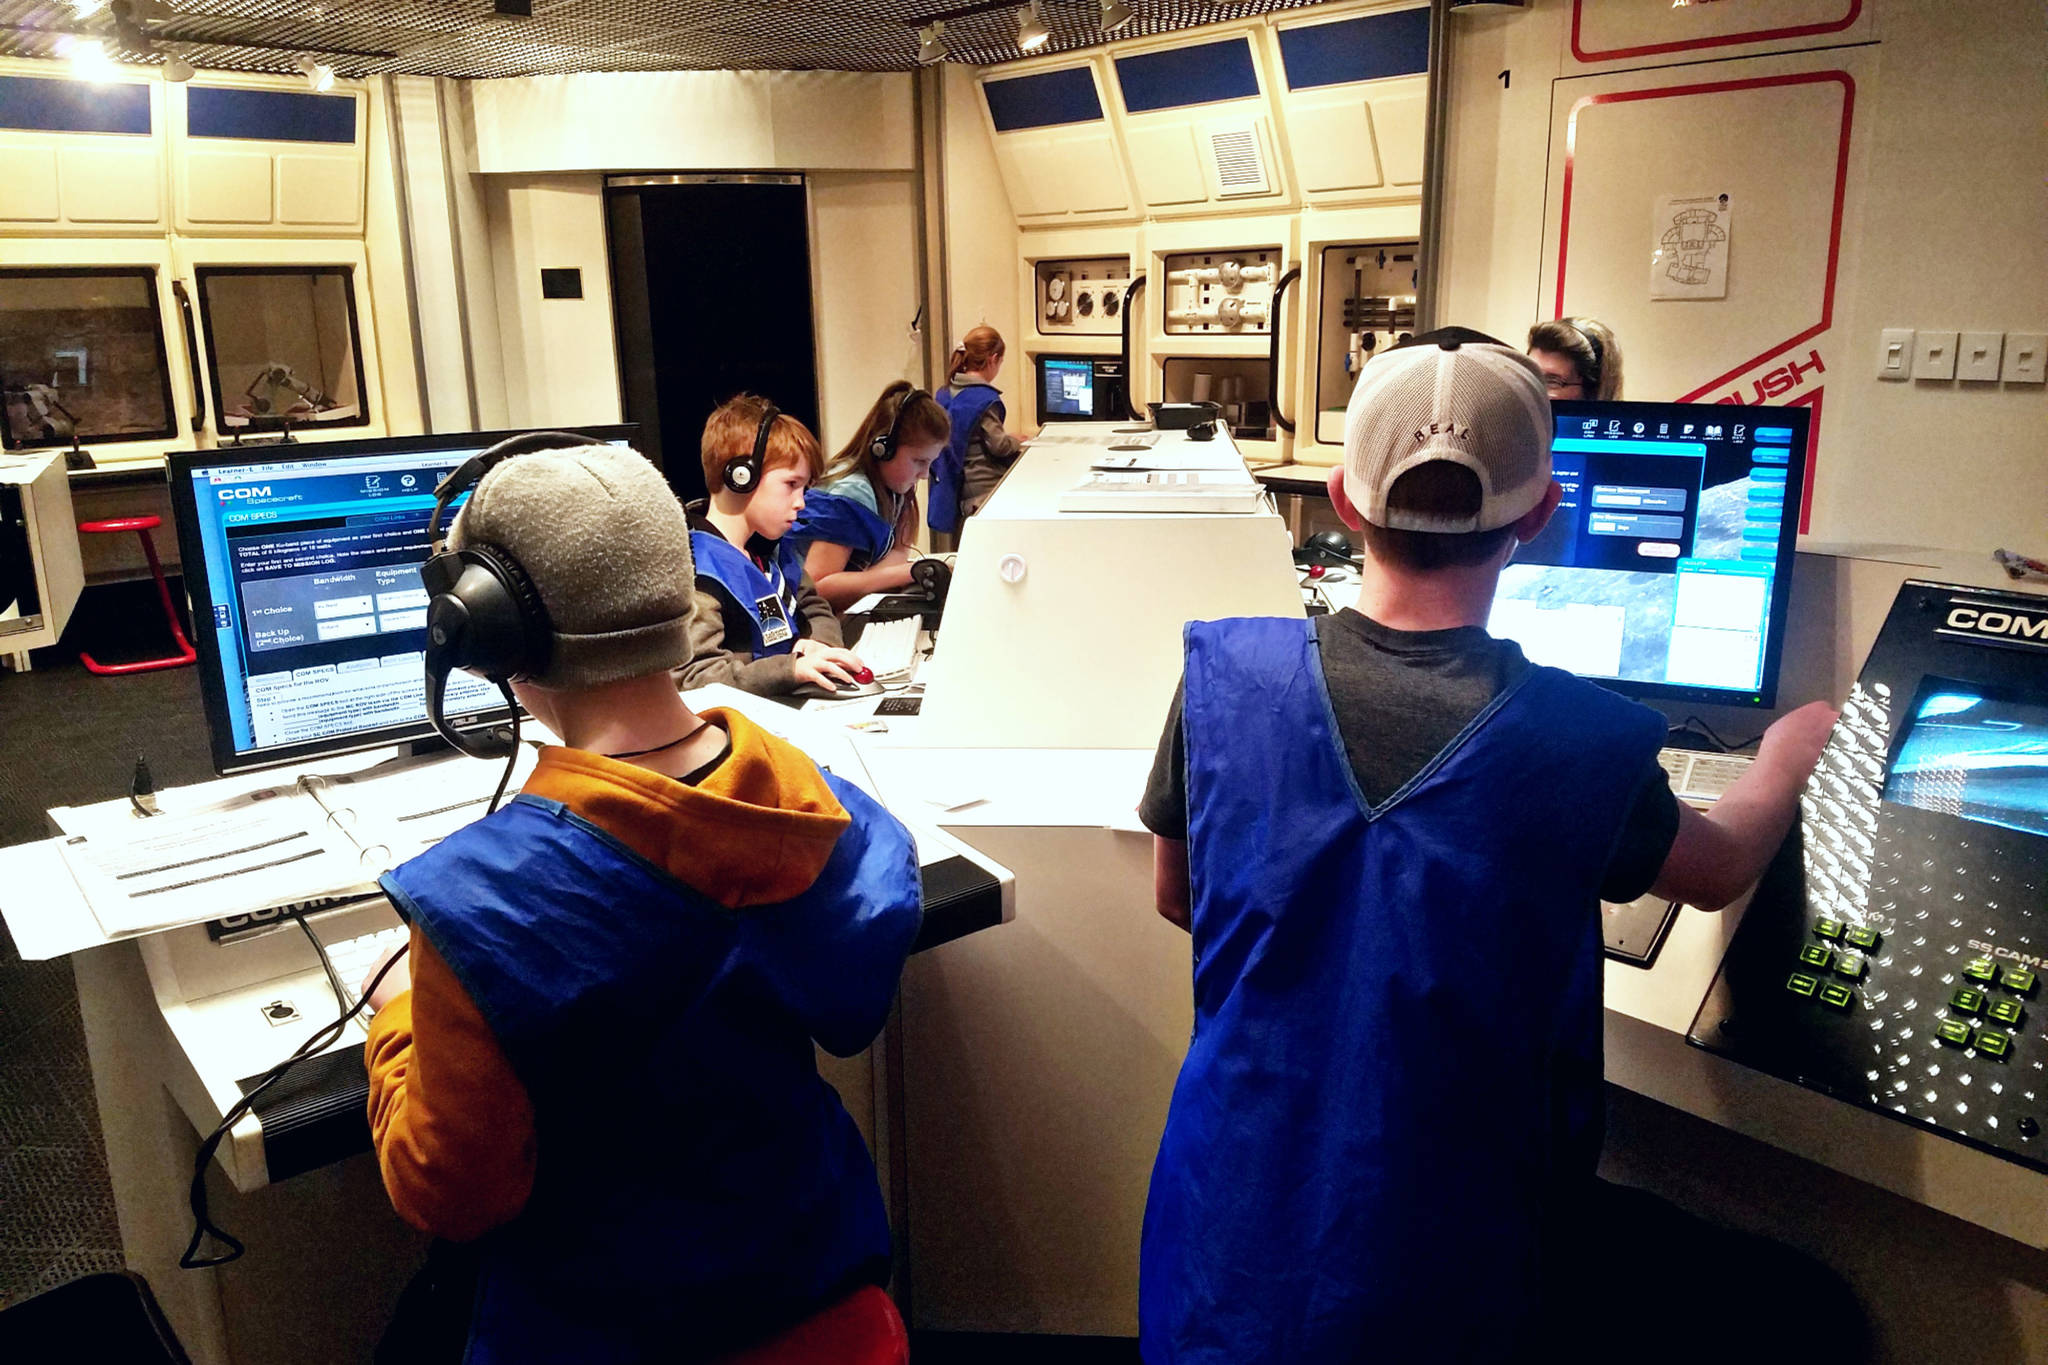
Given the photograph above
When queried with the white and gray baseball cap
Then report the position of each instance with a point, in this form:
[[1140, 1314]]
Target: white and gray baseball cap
[[1442, 397]]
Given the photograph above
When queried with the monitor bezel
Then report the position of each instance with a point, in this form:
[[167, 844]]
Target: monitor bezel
[[1765, 696], [199, 593], [1094, 386]]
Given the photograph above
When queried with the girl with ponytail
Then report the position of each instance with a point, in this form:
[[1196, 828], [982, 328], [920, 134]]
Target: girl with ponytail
[[978, 450]]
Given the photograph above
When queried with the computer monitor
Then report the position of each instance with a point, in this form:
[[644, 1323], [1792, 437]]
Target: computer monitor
[[1667, 569], [302, 564], [1066, 389]]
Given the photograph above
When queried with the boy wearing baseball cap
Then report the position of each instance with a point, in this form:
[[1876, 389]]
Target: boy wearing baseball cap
[[596, 1060], [1388, 834]]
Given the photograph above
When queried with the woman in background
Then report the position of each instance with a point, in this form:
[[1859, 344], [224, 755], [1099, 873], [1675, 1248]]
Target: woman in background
[[978, 450], [1579, 358], [859, 522]]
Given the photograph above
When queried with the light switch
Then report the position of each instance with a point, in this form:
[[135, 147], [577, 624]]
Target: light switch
[[2024, 352], [1934, 355], [1977, 356], [1895, 354]]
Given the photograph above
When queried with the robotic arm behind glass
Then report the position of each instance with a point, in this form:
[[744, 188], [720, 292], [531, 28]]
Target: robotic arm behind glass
[[271, 384]]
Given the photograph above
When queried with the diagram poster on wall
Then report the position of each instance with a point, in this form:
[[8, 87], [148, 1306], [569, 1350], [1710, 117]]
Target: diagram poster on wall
[[1689, 240]]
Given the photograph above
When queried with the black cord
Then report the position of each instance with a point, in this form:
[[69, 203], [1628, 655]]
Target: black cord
[[511, 759], [203, 1224], [326, 963], [141, 785], [1695, 726]]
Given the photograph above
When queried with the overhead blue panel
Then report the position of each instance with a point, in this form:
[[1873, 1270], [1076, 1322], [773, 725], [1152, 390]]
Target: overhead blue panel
[[1043, 101], [1203, 74], [38, 104], [1368, 48], [269, 115]]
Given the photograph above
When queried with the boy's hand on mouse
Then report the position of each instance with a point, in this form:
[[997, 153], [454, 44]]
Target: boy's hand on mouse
[[823, 670], [1797, 737]]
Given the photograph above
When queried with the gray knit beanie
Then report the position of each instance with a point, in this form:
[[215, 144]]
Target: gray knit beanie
[[602, 537]]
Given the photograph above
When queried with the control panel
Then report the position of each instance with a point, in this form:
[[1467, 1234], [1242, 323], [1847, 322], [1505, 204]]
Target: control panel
[[1082, 297], [1890, 957], [1225, 293]]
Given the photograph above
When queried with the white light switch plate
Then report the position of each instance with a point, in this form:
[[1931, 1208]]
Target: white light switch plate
[[2024, 353], [1977, 355], [1895, 353], [1934, 355]]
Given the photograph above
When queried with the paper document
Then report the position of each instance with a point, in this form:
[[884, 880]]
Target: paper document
[[177, 868], [1164, 491]]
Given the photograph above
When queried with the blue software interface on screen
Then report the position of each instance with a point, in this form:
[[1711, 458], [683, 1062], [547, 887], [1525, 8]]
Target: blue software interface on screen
[[1659, 566], [1974, 756], [1069, 388], [313, 569]]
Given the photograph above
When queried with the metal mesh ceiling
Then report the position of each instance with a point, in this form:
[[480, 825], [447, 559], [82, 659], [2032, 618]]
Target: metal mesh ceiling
[[463, 38]]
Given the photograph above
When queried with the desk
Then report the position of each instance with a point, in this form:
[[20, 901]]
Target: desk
[[1298, 483]]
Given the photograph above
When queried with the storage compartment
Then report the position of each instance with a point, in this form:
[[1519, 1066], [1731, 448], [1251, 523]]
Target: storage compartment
[[1367, 306], [1221, 293], [1240, 386], [82, 355], [1081, 297], [283, 346]]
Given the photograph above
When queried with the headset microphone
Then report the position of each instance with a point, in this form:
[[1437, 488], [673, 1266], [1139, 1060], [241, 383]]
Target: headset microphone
[[742, 474], [883, 446]]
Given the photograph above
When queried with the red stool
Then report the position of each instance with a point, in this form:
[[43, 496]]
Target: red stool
[[861, 1329], [142, 526]]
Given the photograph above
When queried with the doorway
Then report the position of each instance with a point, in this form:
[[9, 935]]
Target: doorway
[[711, 291]]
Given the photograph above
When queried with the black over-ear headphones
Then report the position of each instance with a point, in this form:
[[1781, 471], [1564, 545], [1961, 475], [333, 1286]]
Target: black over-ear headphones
[[742, 474], [883, 446], [483, 613]]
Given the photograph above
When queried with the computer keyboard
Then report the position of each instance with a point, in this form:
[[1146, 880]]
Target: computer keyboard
[[1702, 777], [354, 958], [889, 648]]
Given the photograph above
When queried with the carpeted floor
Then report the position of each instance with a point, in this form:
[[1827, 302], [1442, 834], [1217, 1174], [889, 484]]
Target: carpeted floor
[[69, 738]]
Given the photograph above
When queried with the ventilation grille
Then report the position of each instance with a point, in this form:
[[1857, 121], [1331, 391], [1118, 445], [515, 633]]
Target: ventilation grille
[[1240, 161]]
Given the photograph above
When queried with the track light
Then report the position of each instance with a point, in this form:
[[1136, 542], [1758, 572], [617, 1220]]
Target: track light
[[1115, 14], [931, 43], [319, 75], [1031, 30], [176, 69], [89, 59]]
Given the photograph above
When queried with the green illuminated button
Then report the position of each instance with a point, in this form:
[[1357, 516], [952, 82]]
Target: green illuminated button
[[1955, 1031], [1966, 1000], [1836, 994], [1860, 937], [1850, 965], [1981, 970], [2005, 1011], [1993, 1044], [1816, 956], [1802, 984], [1828, 928], [2018, 979]]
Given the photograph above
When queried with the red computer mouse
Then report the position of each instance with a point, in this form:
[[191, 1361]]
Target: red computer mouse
[[1316, 571], [864, 676]]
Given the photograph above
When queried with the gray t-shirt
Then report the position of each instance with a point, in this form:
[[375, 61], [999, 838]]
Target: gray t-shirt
[[1400, 696]]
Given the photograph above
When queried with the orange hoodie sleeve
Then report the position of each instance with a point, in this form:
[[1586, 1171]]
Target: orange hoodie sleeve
[[452, 1124]]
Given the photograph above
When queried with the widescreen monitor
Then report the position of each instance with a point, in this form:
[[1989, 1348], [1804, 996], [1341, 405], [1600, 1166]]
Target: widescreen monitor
[[302, 565], [1667, 570]]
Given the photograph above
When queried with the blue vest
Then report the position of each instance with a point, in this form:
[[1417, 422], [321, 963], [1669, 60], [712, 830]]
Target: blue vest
[[695, 1175], [768, 597], [949, 471], [842, 521], [1395, 1072]]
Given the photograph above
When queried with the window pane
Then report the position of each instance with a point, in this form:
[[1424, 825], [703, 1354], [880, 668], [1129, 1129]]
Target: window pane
[[83, 350], [282, 346]]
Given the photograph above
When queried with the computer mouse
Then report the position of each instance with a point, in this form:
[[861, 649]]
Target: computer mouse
[[1316, 570], [864, 675], [812, 692]]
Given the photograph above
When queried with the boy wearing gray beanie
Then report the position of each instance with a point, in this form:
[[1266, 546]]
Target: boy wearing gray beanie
[[599, 1063]]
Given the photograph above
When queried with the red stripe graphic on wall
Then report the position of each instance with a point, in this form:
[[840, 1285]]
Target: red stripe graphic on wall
[[1766, 35]]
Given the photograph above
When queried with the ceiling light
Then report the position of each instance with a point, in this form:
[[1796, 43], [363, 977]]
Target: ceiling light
[[176, 69], [319, 75], [89, 59], [931, 43], [1115, 14], [1031, 30]]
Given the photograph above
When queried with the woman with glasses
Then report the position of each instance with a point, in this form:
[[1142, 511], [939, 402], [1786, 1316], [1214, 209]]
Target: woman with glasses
[[1579, 358]]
